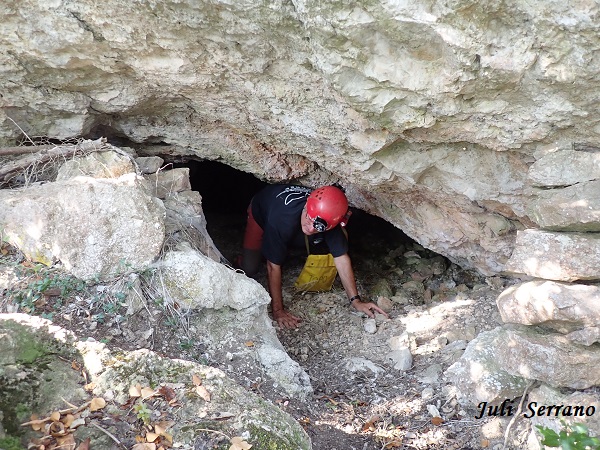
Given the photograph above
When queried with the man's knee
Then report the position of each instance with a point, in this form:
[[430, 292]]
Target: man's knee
[[251, 260]]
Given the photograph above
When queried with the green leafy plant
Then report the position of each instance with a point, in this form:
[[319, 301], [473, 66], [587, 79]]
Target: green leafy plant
[[10, 443], [143, 412], [575, 436], [186, 344], [28, 295]]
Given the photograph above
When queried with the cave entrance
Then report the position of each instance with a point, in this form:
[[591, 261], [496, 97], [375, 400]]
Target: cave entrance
[[226, 193]]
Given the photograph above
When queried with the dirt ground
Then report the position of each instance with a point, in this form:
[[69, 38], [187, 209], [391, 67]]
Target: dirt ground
[[360, 402]]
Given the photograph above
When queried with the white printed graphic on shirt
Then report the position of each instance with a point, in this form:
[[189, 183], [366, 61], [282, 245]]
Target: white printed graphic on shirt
[[294, 193]]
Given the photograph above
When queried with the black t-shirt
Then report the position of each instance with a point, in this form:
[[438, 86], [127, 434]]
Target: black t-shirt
[[277, 210]]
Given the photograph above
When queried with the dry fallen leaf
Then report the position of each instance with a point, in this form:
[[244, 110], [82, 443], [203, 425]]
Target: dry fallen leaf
[[148, 392], [35, 423], [203, 393], [167, 392], [168, 437], [144, 446], [66, 442], [196, 380], [437, 421], [161, 427], [55, 416], [56, 429], [237, 443], [370, 424], [97, 403], [135, 391], [151, 437], [68, 420]]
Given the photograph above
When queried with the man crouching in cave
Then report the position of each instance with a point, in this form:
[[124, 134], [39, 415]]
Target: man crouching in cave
[[279, 216]]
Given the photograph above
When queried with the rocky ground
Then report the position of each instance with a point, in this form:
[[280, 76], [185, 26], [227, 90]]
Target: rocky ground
[[361, 400]]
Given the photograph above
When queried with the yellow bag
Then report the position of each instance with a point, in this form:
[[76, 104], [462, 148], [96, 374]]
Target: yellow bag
[[318, 274]]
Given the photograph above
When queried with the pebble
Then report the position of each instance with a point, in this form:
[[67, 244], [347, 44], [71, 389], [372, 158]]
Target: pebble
[[431, 374], [433, 411], [427, 394], [370, 326], [385, 303], [402, 358]]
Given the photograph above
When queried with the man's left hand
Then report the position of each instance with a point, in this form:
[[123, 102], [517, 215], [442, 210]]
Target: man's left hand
[[369, 308]]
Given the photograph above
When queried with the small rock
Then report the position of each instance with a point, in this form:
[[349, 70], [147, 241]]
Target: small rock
[[380, 318], [427, 394], [363, 364], [370, 326], [433, 411], [149, 164], [431, 375], [401, 298], [401, 358], [382, 289], [427, 295], [402, 341], [414, 287], [385, 303], [441, 341]]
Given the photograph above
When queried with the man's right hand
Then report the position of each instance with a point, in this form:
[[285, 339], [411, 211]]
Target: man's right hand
[[286, 320]]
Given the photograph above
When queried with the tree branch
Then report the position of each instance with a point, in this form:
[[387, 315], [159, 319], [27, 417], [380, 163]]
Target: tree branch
[[46, 154]]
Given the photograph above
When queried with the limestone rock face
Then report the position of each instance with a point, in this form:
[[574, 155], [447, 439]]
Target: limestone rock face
[[565, 168], [562, 306], [480, 377], [556, 256], [428, 113], [498, 364], [95, 227], [170, 182], [574, 208], [233, 311], [546, 395], [108, 164], [548, 357]]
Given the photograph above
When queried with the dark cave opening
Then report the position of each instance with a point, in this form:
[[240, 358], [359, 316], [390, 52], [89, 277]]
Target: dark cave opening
[[226, 193]]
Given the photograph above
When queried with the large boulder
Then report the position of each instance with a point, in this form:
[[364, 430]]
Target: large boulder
[[233, 312], [170, 181], [545, 395], [556, 256], [549, 357], [564, 307], [573, 208], [185, 222], [37, 375], [480, 377], [111, 163], [96, 227]]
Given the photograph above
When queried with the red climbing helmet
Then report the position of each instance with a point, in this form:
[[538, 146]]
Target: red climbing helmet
[[326, 207]]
